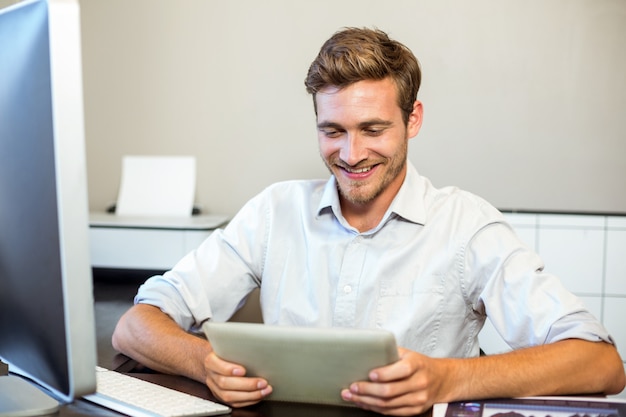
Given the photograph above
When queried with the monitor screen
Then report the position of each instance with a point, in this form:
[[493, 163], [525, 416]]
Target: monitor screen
[[47, 331]]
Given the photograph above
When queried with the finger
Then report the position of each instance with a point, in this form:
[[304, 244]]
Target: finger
[[214, 363], [408, 364], [231, 376], [228, 383], [400, 405], [237, 383], [238, 391]]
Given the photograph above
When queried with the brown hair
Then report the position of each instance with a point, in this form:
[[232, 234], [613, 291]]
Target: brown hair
[[355, 54]]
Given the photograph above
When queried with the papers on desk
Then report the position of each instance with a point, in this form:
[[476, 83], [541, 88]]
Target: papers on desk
[[535, 407], [157, 186]]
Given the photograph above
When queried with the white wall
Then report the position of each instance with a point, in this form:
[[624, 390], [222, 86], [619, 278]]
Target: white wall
[[524, 100]]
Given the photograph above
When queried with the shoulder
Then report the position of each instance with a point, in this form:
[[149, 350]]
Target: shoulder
[[294, 192], [422, 202], [294, 186], [292, 195], [452, 204]]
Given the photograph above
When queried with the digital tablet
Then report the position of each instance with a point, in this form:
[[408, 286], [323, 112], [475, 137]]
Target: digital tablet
[[303, 364]]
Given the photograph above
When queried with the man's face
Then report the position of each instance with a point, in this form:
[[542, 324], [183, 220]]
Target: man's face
[[363, 139]]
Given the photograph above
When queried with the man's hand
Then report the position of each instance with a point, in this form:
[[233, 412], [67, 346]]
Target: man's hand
[[227, 381], [409, 386], [416, 382], [151, 337]]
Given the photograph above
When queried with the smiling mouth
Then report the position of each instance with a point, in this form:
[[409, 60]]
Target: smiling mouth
[[357, 170]]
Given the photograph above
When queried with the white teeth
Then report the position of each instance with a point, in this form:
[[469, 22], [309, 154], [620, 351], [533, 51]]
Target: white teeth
[[359, 171]]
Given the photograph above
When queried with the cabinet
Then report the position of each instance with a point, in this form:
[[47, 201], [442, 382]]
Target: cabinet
[[146, 243]]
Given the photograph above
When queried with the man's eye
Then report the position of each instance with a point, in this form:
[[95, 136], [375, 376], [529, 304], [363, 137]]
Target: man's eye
[[331, 133], [374, 132]]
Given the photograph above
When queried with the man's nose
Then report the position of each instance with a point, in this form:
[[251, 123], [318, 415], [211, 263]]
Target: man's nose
[[352, 150]]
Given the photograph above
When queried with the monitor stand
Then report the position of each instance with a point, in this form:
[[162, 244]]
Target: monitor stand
[[20, 398]]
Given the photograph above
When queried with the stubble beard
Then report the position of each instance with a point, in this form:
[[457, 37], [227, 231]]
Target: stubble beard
[[364, 192]]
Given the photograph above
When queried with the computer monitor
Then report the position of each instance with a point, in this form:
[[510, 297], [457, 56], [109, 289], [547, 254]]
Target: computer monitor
[[47, 330]]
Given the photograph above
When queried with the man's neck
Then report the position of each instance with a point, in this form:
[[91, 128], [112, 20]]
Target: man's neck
[[367, 216], [362, 217]]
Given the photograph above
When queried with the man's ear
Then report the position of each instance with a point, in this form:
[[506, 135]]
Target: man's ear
[[415, 119]]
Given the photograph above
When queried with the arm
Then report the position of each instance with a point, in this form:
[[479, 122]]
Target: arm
[[151, 337], [416, 382]]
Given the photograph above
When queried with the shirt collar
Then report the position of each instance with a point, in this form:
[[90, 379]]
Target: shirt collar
[[407, 204]]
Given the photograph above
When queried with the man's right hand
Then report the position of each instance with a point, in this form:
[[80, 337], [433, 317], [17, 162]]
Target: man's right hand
[[227, 381], [152, 338]]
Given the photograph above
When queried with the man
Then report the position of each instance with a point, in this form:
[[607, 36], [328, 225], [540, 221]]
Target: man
[[376, 246]]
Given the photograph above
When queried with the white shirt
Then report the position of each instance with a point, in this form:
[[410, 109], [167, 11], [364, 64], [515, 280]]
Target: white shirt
[[439, 263]]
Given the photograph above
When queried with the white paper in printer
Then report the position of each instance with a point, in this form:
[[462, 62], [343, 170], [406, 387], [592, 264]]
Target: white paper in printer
[[157, 186]]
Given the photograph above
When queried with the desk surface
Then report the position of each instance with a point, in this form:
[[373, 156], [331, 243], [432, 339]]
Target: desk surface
[[263, 409]]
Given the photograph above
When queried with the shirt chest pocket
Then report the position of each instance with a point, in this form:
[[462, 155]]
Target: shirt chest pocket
[[412, 310]]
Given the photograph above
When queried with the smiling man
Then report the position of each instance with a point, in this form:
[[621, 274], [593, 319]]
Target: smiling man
[[376, 246]]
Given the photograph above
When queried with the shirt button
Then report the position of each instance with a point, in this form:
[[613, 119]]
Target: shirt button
[[347, 289]]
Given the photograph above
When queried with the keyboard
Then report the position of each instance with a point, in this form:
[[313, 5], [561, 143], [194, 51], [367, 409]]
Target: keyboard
[[138, 398]]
